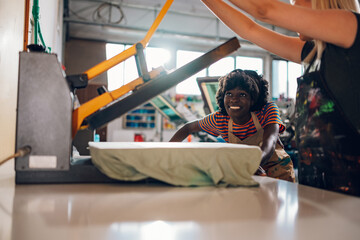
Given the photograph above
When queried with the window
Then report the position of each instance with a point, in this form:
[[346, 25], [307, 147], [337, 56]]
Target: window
[[156, 57], [127, 71], [222, 67], [250, 63], [219, 68], [188, 86], [116, 74], [284, 79], [130, 69]]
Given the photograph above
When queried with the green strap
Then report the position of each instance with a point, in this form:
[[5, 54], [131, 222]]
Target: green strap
[[37, 29]]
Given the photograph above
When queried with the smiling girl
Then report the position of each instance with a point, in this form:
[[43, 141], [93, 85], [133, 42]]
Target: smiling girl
[[246, 117]]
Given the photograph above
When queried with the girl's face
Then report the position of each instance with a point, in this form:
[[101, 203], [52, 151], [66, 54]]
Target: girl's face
[[237, 103], [307, 4]]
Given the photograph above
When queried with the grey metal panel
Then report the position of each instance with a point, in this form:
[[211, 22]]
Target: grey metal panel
[[82, 173], [44, 110]]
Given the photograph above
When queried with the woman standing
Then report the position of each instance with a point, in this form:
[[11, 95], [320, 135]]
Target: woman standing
[[328, 100]]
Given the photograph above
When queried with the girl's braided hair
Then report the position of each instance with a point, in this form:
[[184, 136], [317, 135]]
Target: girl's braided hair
[[247, 80]]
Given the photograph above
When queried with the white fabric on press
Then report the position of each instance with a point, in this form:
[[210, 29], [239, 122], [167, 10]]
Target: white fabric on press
[[179, 164]]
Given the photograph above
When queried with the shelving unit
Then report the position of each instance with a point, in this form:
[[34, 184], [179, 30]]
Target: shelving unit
[[143, 117]]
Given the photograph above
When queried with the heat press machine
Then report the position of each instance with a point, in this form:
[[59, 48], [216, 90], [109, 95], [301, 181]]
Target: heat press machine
[[47, 120]]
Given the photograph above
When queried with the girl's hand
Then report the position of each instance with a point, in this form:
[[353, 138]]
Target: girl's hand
[[260, 172]]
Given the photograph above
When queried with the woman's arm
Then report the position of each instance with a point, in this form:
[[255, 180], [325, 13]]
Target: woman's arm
[[271, 133], [334, 26], [185, 130], [287, 47]]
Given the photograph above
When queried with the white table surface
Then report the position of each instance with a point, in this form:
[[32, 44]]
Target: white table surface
[[275, 210]]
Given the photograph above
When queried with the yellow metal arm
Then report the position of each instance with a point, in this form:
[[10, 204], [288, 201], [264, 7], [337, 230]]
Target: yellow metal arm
[[156, 23], [104, 99], [107, 64]]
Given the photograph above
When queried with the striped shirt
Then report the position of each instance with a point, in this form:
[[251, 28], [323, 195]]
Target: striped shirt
[[217, 124]]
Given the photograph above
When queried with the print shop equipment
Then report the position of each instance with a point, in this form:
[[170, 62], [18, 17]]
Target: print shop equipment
[[47, 121]]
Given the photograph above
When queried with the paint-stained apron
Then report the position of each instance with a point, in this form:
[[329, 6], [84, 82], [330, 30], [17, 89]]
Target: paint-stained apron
[[329, 145], [279, 165]]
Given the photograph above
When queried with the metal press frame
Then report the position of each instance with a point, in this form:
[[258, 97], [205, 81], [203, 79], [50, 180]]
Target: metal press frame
[[47, 122]]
